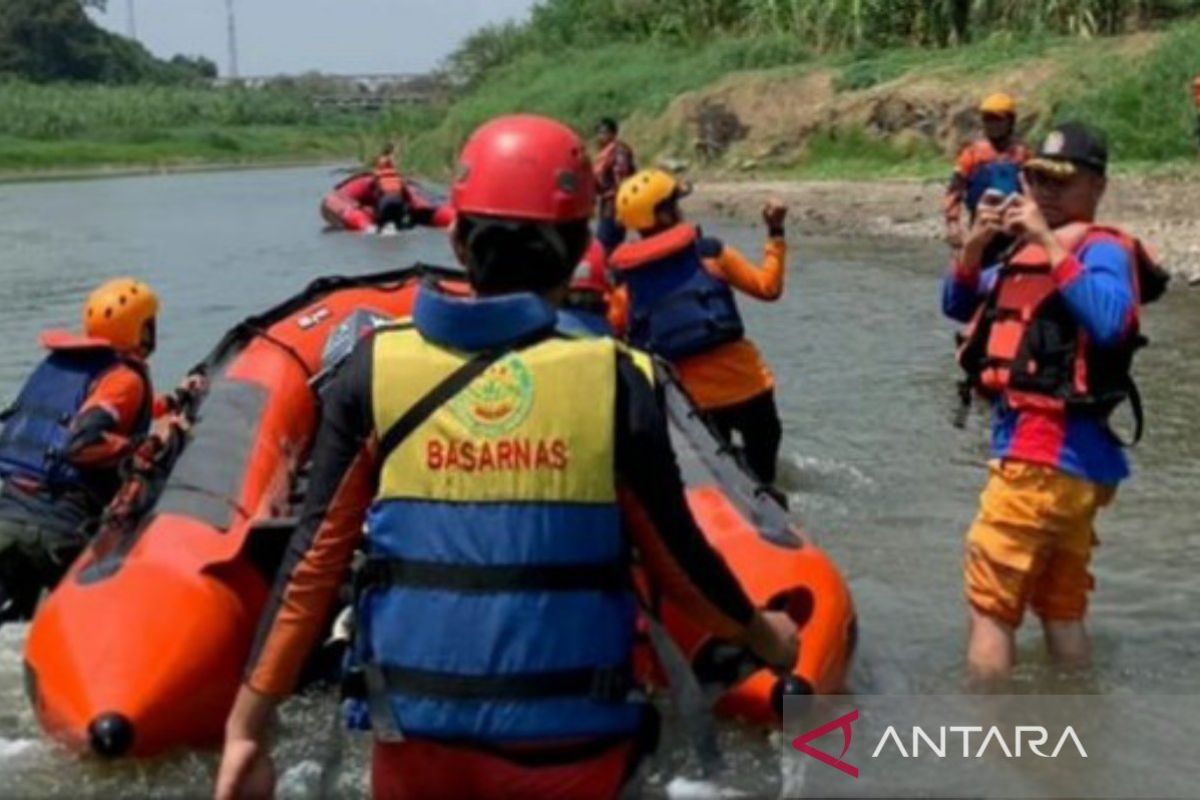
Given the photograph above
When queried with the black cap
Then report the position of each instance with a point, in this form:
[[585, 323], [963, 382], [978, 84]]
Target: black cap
[[1070, 146]]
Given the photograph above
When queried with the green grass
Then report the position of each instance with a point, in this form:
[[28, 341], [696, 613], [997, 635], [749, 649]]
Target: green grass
[[57, 127], [48, 112], [579, 87], [1143, 103], [1147, 110], [178, 147]]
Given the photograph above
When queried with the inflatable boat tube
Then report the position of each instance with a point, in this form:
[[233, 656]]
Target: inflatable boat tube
[[140, 648], [351, 204]]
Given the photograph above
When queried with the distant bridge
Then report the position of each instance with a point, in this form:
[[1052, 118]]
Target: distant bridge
[[368, 92]]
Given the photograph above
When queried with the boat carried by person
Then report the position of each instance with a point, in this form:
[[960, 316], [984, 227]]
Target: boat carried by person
[[141, 647]]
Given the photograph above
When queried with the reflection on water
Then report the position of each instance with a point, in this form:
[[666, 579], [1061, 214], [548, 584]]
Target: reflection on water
[[866, 390]]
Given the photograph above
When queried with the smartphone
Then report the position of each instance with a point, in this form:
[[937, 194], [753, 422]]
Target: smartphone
[[993, 198]]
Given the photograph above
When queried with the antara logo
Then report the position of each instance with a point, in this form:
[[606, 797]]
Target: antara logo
[[843, 722], [1021, 740]]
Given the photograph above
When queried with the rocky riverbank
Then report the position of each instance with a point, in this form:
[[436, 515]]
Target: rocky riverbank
[[1161, 209]]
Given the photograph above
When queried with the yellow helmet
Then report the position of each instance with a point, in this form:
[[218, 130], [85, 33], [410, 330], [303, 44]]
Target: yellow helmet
[[640, 195], [119, 311], [999, 103]]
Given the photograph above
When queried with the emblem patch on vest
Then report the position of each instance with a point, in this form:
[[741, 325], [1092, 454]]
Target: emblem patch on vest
[[498, 401]]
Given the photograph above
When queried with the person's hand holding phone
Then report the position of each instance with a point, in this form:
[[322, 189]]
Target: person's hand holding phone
[[989, 223]]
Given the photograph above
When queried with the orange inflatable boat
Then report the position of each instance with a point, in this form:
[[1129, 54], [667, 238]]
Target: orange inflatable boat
[[780, 568], [140, 649], [351, 204]]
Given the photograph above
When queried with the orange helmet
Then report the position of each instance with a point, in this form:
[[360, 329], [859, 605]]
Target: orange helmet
[[1000, 104], [120, 311]]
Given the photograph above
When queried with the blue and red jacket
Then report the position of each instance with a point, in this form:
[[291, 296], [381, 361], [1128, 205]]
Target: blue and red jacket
[[1098, 287]]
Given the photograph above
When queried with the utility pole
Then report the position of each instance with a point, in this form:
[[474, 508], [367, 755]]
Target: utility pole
[[132, 22], [232, 27]]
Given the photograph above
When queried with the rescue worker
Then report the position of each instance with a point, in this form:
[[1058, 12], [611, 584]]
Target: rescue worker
[[1053, 332], [676, 299], [77, 417], [391, 196], [585, 310], [504, 475], [387, 157], [614, 164], [1196, 100], [993, 162]]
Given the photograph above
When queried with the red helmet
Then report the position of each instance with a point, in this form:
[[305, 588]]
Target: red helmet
[[525, 167], [592, 273]]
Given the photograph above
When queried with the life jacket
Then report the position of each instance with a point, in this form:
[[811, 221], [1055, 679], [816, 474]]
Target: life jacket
[[583, 322], [37, 426], [388, 181], [495, 603], [1025, 348], [676, 307], [994, 170]]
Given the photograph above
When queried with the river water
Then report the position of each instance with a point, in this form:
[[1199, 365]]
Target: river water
[[875, 470]]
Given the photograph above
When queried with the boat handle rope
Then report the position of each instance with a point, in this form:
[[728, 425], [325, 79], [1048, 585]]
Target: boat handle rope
[[261, 333], [227, 500]]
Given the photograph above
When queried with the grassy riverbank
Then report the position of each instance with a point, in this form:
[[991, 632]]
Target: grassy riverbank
[[758, 106], [71, 127], [766, 106]]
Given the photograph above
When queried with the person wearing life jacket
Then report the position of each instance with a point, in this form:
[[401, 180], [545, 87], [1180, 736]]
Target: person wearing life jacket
[[500, 478], [387, 157], [614, 164], [676, 299], [585, 309], [76, 418], [990, 163], [391, 198], [1196, 100], [1052, 334]]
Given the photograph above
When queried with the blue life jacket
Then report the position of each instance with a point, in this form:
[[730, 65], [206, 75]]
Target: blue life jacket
[[37, 427], [676, 308], [495, 604], [1002, 175], [576, 322]]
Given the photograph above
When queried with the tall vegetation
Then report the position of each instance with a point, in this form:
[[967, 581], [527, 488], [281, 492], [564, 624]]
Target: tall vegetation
[[555, 25], [55, 40]]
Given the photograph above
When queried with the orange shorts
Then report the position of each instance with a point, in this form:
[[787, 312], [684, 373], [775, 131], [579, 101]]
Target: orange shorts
[[1032, 542]]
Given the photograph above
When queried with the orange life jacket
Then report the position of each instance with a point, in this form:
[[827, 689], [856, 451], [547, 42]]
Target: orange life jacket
[[1025, 348], [388, 181]]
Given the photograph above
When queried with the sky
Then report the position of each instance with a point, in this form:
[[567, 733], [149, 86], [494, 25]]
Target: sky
[[294, 36]]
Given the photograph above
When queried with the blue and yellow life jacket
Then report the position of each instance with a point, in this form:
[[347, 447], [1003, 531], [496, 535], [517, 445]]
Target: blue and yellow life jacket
[[37, 426], [495, 604], [676, 307]]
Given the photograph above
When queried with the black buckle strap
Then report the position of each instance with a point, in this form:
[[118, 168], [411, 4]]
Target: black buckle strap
[[604, 577], [602, 684]]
